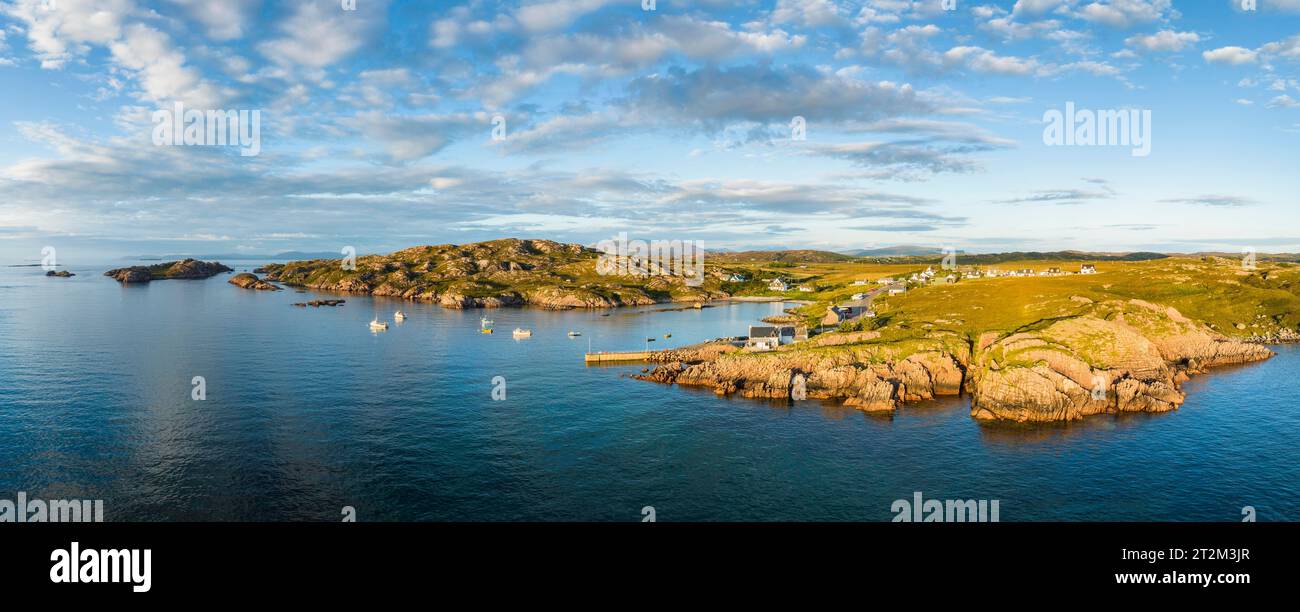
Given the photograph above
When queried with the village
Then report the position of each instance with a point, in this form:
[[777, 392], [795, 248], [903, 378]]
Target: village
[[859, 308]]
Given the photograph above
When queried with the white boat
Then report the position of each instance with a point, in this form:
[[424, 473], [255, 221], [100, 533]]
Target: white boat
[[484, 326], [522, 333], [399, 316], [376, 324], [574, 334]]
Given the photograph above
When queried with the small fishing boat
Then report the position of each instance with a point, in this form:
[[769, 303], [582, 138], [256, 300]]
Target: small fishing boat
[[399, 316], [377, 325], [574, 334], [668, 335], [649, 339], [522, 333], [484, 326]]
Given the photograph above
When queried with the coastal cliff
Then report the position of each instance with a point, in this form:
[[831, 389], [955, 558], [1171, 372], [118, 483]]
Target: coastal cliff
[[508, 272], [1110, 357], [184, 269]]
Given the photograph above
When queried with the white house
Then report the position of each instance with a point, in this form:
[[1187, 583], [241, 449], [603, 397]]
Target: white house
[[1087, 269], [763, 338], [778, 285], [768, 337], [859, 296], [884, 281], [897, 291], [736, 278], [859, 283], [806, 289]]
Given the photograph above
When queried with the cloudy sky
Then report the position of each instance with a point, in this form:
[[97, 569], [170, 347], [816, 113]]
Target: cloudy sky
[[924, 126]]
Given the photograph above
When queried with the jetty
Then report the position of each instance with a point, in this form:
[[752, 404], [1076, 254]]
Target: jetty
[[606, 357]]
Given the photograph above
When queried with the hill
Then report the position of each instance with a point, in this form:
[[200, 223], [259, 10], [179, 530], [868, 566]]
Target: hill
[[506, 272]]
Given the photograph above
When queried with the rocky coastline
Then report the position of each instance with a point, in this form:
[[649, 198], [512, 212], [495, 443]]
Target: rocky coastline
[[494, 274], [1115, 357]]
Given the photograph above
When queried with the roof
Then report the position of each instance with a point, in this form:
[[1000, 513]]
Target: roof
[[762, 331]]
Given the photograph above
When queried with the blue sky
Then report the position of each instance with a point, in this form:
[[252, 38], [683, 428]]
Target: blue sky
[[924, 126]]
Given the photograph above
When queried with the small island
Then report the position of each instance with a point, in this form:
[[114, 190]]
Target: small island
[[184, 269], [60, 273]]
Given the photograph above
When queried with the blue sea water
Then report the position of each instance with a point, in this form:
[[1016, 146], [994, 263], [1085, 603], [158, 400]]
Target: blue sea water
[[307, 411]]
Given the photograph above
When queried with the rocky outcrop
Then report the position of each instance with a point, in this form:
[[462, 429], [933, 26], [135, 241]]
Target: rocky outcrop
[[1113, 357], [493, 274], [852, 375], [1122, 357], [60, 273], [251, 281], [184, 269]]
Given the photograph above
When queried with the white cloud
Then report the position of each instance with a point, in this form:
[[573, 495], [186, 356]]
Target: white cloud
[[979, 59], [1125, 13], [317, 34], [1283, 101], [1230, 55], [549, 15], [1164, 40], [225, 20]]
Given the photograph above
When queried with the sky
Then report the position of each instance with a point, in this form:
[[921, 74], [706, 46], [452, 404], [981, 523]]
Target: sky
[[826, 124]]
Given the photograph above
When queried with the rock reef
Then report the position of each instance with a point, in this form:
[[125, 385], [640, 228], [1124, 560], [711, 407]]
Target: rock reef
[[251, 281], [1113, 357], [184, 269]]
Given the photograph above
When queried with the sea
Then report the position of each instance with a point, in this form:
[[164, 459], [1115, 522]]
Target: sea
[[194, 400]]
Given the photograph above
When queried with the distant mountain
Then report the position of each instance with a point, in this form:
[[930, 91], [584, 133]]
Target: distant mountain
[[286, 255], [786, 256], [906, 250], [994, 258]]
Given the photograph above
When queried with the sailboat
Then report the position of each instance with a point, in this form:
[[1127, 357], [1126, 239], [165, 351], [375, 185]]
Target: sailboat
[[574, 334], [399, 316], [376, 325], [522, 333], [484, 326]]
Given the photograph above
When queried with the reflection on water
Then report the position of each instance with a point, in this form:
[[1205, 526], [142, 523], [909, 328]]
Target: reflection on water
[[308, 411]]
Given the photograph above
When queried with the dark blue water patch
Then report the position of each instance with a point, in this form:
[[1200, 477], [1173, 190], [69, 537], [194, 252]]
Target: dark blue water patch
[[308, 411]]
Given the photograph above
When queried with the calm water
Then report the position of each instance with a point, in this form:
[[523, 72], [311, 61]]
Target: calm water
[[307, 411]]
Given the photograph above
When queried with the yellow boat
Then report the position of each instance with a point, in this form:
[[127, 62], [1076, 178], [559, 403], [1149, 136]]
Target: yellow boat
[[484, 326]]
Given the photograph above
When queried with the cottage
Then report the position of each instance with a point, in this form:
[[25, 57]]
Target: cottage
[[1087, 269], [859, 296], [736, 278], [859, 283], [768, 337], [950, 279], [897, 290], [778, 285], [763, 338], [806, 289], [884, 281]]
